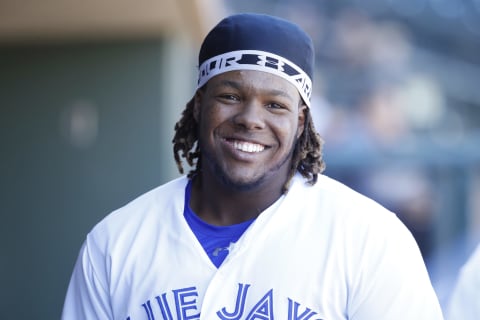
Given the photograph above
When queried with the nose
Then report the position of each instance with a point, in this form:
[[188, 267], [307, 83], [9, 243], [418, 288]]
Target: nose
[[250, 115]]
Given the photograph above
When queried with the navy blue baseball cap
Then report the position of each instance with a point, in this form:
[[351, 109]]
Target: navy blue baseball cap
[[259, 42]]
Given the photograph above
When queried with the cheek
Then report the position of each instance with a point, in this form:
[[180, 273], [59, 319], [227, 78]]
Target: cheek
[[210, 120], [287, 132], [215, 116]]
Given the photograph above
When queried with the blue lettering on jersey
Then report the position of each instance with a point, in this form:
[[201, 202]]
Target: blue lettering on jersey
[[263, 310], [186, 307], [293, 311], [239, 305], [185, 302], [148, 309], [164, 308]]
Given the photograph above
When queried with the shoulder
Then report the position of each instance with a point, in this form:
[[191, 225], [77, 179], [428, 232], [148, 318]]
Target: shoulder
[[167, 195], [350, 218], [337, 199], [146, 214], [382, 264]]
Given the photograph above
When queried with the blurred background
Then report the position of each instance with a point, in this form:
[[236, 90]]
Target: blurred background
[[90, 92]]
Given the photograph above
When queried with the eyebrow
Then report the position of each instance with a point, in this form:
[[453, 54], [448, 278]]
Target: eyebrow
[[229, 83], [236, 85]]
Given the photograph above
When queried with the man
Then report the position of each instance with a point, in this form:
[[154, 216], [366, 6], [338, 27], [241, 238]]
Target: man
[[254, 231]]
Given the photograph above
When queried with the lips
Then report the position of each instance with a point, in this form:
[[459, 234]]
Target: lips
[[246, 146]]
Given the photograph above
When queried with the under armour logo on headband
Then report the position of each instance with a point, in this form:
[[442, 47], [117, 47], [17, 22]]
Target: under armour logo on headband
[[271, 62]]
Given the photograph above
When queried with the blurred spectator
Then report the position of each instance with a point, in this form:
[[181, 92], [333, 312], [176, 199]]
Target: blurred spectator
[[465, 300]]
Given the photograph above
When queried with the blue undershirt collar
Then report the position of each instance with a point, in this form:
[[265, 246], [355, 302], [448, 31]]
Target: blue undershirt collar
[[217, 241]]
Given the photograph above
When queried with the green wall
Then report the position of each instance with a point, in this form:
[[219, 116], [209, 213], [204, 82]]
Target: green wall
[[83, 130]]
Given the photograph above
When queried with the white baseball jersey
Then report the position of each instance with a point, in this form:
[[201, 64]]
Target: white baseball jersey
[[321, 252]]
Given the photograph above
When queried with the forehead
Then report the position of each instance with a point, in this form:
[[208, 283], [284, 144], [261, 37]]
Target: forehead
[[254, 80]]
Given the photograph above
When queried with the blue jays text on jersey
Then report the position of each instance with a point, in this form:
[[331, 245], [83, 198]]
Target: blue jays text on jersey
[[186, 307]]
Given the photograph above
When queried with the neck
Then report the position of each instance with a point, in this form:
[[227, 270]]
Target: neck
[[218, 204]]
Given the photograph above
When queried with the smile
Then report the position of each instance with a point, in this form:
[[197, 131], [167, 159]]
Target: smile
[[248, 146]]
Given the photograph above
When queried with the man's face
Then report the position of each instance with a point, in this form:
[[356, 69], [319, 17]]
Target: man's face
[[249, 122]]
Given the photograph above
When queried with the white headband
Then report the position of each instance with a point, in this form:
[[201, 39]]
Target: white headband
[[259, 61]]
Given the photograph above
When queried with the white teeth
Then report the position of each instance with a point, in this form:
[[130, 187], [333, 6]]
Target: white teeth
[[248, 147]]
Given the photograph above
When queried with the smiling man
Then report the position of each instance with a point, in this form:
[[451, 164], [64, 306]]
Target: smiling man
[[248, 125], [254, 231]]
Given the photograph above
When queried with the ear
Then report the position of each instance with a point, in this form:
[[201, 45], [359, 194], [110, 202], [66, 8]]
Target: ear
[[301, 119], [197, 102]]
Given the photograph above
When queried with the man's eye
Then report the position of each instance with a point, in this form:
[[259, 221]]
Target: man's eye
[[229, 97], [274, 105]]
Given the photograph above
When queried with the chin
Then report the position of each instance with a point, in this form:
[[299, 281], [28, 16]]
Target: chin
[[241, 184]]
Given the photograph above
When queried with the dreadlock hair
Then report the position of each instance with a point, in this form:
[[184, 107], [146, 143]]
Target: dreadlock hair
[[307, 155]]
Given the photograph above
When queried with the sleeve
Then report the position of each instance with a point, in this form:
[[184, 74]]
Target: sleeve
[[393, 283], [88, 295], [464, 302]]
